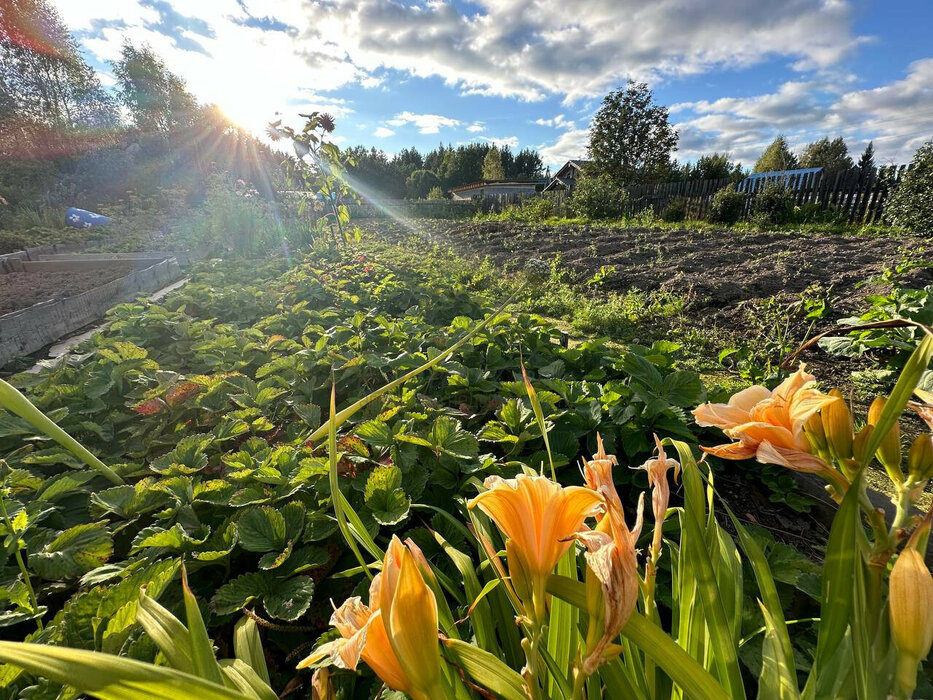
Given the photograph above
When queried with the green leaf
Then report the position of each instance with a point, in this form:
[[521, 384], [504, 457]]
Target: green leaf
[[285, 599], [376, 432], [485, 669], [682, 388], [74, 552], [248, 646], [448, 437], [384, 495], [111, 677], [262, 530], [202, 649], [778, 679], [168, 633], [246, 680]]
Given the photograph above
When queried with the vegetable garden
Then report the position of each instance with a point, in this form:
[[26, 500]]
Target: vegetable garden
[[475, 559]]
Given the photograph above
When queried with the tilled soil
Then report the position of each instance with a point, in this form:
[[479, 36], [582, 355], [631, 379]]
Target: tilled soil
[[19, 290]]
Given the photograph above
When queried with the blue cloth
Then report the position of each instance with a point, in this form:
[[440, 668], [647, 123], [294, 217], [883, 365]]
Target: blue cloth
[[80, 218]]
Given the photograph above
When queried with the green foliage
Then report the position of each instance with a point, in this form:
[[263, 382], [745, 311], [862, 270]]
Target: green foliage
[[777, 156], [156, 98], [773, 204], [832, 156], [598, 197], [492, 165], [631, 138], [714, 166], [436, 194], [727, 206], [420, 183], [675, 211], [911, 204]]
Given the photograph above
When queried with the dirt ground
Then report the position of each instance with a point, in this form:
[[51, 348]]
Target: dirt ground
[[19, 290]]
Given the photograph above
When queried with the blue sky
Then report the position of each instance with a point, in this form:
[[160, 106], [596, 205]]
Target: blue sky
[[399, 73]]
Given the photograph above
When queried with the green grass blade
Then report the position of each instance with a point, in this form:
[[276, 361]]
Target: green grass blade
[[202, 649], [475, 593], [247, 646], [563, 637], [111, 677], [539, 419], [12, 400], [558, 676]]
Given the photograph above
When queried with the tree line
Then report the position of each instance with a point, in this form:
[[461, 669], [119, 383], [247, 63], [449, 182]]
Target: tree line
[[415, 175]]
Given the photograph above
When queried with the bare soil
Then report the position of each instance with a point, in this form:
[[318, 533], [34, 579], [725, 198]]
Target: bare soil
[[19, 290]]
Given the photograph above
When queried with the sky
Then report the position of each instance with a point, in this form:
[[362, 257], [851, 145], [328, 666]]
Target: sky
[[531, 73]]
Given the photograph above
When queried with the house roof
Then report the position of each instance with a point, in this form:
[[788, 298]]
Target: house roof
[[496, 183]]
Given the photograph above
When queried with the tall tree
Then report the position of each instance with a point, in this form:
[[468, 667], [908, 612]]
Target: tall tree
[[44, 80], [156, 98], [714, 166], [777, 156], [631, 138], [866, 162], [527, 165], [832, 156], [492, 165]]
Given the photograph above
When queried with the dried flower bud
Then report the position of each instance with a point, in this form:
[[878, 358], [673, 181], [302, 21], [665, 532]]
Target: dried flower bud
[[889, 452], [910, 604], [920, 458], [837, 424]]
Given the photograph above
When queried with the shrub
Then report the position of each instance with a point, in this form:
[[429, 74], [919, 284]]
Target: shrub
[[436, 194], [598, 198], [728, 205], [774, 204], [911, 204], [675, 211]]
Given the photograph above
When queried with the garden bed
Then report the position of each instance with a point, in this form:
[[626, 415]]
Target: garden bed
[[19, 290]]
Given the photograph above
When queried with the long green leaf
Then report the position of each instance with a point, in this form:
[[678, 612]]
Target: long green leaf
[[202, 649], [111, 677], [241, 676], [13, 400], [724, 642], [914, 368], [654, 642], [777, 679], [842, 551], [168, 633], [485, 669], [475, 593], [247, 646]]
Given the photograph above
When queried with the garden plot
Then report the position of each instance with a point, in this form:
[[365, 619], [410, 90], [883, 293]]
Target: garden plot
[[45, 297]]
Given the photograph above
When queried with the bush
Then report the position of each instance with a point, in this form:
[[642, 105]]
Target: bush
[[675, 211], [911, 204], [728, 205], [436, 194], [598, 198], [774, 204]]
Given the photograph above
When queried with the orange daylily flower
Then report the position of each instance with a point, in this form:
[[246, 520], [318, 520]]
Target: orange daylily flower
[[610, 555], [769, 425], [396, 634], [539, 518]]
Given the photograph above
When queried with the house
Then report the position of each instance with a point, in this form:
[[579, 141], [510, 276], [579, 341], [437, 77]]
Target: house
[[495, 188], [567, 176]]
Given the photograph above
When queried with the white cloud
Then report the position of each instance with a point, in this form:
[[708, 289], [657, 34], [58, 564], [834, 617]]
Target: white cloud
[[382, 132], [571, 145], [426, 123], [510, 141], [476, 127], [557, 122], [898, 117]]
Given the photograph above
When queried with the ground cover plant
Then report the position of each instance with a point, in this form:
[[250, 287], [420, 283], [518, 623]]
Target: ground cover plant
[[261, 506]]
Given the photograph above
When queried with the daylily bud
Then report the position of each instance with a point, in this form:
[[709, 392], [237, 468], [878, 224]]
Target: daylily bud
[[910, 604], [859, 443], [889, 452], [837, 424], [920, 457], [817, 436], [321, 686]]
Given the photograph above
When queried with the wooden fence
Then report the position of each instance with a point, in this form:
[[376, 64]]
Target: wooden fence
[[853, 195]]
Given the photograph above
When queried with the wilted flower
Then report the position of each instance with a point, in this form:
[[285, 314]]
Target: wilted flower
[[327, 122], [610, 557], [660, 491], [321, 686], [396, 634], [539, 518], [770, 425]]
